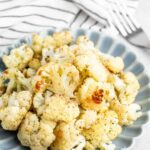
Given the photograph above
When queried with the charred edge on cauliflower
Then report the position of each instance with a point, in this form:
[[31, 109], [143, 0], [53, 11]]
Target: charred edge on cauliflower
[[97, 96]]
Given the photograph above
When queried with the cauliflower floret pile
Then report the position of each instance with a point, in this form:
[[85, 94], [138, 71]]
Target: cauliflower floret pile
[[66, 95]]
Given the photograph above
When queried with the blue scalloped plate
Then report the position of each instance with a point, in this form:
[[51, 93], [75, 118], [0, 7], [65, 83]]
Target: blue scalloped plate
[[106, 44]]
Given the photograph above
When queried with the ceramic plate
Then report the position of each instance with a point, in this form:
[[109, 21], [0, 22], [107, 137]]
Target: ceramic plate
[[106, 44]]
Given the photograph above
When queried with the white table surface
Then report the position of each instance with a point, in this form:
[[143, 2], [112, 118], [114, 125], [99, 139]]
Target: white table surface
[[143, 56]]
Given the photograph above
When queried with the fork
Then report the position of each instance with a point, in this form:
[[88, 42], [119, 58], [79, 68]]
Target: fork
[[126, 24]]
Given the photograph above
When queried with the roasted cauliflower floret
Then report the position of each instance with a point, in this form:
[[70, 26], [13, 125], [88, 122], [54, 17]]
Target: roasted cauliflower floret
[[61, 54], [90, 66], [127, 114], [105, 129], [18, 57], [39, 101], [84, 39], [89, 117], [57, 39], [29, 72], [35, 133], [89, 146], [117, 82], [62, 38], [37, 43], [84, 44], [130, 79], [105, 146], [35, 64], [23, 83], [132, 86], [3, 101], [13, 79], [8, 80], [56, 108], [68, 137], [60, 78], [2, 85], [109, 91], [126, 85], [47, 55], [49, 42], [91, 95], [114, 64], [14, 108]]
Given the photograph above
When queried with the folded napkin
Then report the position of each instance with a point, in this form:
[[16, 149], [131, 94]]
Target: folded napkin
[[20, 18]]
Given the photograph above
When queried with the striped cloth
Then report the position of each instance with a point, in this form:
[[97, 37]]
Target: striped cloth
[[19, 18]]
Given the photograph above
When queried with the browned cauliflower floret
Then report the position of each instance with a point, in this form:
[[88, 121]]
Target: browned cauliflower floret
[[35, 64], [56, 40], [88, 117], [37, 43], [89, 65], [127, 114], [132, 86], [105, 129], [68, 137], [109, 91], [114, 64], [91, 95], [117, 82], [8, 80], [35, 133], [49, 42], [14, 108], [61, 54], [18, 57], [24, 83], [56, 108], [3, 101], [60, 78], [39, 102], [2, 86], [105, 146], [84, 39], [84, 44], [47, 55], [126, 85], [29, 72], [13, 79], [62, 38]]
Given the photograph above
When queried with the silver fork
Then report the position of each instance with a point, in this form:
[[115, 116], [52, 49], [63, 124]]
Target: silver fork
[[126, 24]]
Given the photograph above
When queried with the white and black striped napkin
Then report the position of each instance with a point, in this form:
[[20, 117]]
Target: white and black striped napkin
[[19, 18]]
